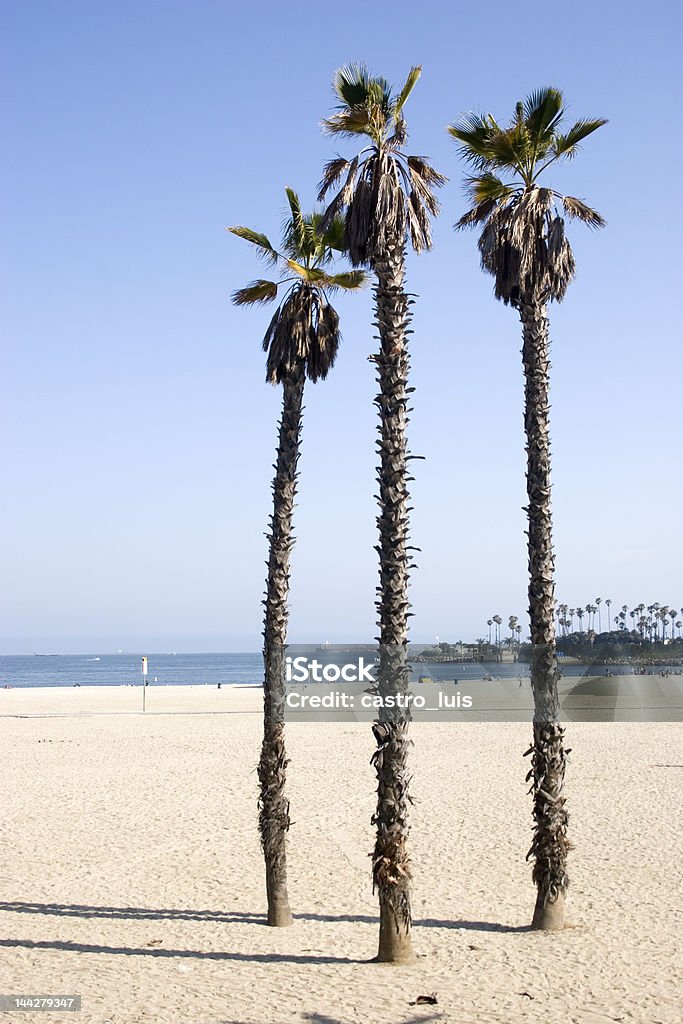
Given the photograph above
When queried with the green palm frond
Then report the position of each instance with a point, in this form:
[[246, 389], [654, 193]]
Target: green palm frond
[[566, 145], [259, 291], [487, 186], [510, 148], [351, 84], [335, 234], [266, 250], [410, 83], [543, 112], [351, 280], [474, 132], [295, 224], [355, 121], [581, 211], [379, 95]]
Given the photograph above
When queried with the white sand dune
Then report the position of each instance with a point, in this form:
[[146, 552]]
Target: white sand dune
[[131, 872]]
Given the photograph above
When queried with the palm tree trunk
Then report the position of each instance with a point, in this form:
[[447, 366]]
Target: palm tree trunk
[[391, 866], [273, 804], [548, 757]]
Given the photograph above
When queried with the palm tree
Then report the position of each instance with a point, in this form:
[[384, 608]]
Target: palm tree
[[663, 614], [598, 602], [301, 342], [608, 602], [387, 198], [523, 245], [489, 623], [498, 621]]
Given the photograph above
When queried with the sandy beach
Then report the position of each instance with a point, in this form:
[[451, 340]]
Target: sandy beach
[[132, 874]]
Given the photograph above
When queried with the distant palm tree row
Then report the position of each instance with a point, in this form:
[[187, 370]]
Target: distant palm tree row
[[653, 622], [382, 201], [514, 627]]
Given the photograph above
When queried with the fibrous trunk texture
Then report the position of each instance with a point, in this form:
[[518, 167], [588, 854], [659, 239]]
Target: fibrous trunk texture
[[273, 803], [550, 846], [391, 866]]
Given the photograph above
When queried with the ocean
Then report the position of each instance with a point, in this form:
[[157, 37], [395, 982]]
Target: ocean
[[125, 669]]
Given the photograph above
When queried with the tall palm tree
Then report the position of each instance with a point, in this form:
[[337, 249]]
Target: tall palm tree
[[498, 621], [387, 198], [598, 602], [489, 623], [608, 602], [523, 245], [301, 341]]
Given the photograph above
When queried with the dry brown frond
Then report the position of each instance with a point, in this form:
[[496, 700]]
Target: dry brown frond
[[576, 208], [332, 172]]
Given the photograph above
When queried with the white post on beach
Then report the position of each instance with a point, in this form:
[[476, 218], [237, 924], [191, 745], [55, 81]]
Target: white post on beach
[[144, 680]]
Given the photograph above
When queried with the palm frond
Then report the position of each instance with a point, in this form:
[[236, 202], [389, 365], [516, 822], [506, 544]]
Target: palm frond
[[332, 172], [487, 186], [418, 222], [423, 191], [477, 215], [399, 136], [266, 250], [294, 228], [259, 291], [566, 145], [350, 280], [543, 112], [410, 83], [333, 211], [351, 82], [379, 95], [334, 235], [510, 148], [298, 268], [581, 211], [355, 121], [322, 355], [474, 133], [430, 176]]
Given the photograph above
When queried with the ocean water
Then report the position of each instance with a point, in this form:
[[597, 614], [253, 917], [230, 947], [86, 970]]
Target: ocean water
[[211, 669], [125, 669]]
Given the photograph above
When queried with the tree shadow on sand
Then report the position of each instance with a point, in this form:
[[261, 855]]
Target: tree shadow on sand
[[322, 1018], [232, 917], [187, 954]]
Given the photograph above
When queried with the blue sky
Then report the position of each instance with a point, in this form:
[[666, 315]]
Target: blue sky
[[139, 434]]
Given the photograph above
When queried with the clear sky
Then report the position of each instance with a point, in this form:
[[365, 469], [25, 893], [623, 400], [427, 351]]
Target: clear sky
[[138, 431]]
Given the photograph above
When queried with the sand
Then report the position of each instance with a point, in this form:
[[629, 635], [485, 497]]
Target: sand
[[131, 872]]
